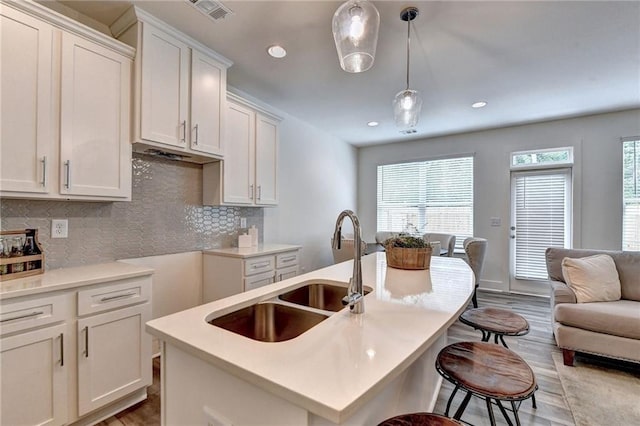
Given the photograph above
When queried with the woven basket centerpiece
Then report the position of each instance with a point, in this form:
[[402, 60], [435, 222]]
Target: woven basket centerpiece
[[406, 252]]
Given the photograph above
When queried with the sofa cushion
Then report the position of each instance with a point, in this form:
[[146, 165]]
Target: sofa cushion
[[627, 264], [619, 318], [592, 278]]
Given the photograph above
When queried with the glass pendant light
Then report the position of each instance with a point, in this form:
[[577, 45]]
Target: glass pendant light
[[407, 104], [355, 32]]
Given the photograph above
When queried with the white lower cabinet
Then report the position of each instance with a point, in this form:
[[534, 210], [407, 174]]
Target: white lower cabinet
[[46, 382], [34, 377], [112, 362], [225, 275]]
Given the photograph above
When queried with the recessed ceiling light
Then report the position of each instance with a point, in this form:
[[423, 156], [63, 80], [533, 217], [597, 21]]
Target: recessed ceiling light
[[479, 104], [372, 123], [276, 51]]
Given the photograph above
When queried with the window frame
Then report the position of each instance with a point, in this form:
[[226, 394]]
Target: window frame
[[425, 229], [538, 166], [635, 245]]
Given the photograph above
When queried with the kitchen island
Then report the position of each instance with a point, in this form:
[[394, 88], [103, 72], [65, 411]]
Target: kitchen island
[[348, 369]]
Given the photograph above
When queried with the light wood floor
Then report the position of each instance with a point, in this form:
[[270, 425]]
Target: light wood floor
[[536, 348]]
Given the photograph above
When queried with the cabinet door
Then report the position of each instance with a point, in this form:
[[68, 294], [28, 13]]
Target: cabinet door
[[208, 85], [266, 161], [34, 377], [95, 148], [239, 174], [114, 356], [26, 137], [164, 88]]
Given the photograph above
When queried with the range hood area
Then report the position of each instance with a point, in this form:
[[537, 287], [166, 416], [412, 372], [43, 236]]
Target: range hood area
[[170, 154]]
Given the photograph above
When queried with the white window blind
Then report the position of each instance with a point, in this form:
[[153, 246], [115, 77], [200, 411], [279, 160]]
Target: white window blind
[[541, 220], [631, 196], [427, 196]]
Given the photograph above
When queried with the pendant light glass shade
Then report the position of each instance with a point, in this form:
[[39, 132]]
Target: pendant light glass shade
[[355, 32], [407, 104], [406, 108]]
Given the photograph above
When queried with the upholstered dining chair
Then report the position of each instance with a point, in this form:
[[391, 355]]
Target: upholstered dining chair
[[475, 250], [447, 241]]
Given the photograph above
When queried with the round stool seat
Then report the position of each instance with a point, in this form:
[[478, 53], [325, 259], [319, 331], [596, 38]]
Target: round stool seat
[[420, 419], [495, 320], [487, 370]]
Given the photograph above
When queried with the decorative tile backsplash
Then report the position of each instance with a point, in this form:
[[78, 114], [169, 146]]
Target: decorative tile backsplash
[[164, 216]]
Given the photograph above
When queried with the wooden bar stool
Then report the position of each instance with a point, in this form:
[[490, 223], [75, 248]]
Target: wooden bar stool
[[489, 371], [420, 419], [499, 322]]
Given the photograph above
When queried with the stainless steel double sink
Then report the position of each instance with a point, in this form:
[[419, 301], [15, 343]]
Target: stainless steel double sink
[[274, 321]]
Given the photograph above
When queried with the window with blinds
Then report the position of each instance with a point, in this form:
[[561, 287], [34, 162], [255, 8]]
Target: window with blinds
[[541, 219], [631, 195], [427, 196]]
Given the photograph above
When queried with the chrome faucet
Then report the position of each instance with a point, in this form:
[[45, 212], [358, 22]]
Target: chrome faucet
[[355, 295]]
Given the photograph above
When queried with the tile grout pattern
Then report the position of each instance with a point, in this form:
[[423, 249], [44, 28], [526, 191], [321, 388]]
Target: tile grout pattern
[[165, 216]]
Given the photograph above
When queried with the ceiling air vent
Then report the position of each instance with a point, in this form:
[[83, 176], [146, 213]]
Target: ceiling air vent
[[215, 10], [166, 155]]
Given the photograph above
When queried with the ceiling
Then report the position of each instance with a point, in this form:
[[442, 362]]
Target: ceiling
[[531, 61]]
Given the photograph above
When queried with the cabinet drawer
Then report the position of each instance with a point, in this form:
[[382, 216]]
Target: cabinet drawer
[[284, 260], [258, 265], [115, 295], [258, 281], [24, 314]]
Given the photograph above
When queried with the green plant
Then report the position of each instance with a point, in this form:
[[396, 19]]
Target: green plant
[[406, 241]]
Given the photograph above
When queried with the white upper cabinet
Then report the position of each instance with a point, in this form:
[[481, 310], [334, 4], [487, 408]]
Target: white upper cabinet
[[164, 88], [239, 173], [66, 132], [94, 121], [266, 160], [248, 175], [26, 148], [208, 91], [180, 90]]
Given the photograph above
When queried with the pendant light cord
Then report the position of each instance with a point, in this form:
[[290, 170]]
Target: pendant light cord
[[408, 48]]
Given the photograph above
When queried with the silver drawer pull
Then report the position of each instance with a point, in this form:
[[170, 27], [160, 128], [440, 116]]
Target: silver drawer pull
[[32, 314], [288, 259], [120, 296], [44, 171], [260, 265]]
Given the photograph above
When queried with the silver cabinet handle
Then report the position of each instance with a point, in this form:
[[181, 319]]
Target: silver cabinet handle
[[259, 192], [251, 192], [184, 131], [86, 342], [260, 265], [119, 296], [195, 141], [32, 314], [44, 171], [67, 166], [288, 259], [61, 349]]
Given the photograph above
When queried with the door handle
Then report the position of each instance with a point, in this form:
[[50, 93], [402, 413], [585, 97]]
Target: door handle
[[44, 171], [67, 166], [195, 141]]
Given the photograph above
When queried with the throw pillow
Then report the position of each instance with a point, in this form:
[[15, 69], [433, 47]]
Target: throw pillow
[[592, 278]]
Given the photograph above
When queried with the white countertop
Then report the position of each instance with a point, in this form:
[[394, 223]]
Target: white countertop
[[340, 364], [65, 278], [246, 252]]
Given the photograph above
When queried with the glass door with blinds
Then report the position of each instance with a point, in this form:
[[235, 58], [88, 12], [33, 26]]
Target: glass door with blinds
[[540, 218]]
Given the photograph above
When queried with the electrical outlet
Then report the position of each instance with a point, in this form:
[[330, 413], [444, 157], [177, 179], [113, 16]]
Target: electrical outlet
[[59, 228], [243, 222]]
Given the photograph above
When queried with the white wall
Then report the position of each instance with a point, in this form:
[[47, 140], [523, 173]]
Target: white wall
[[597, 178], [317, 180]]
